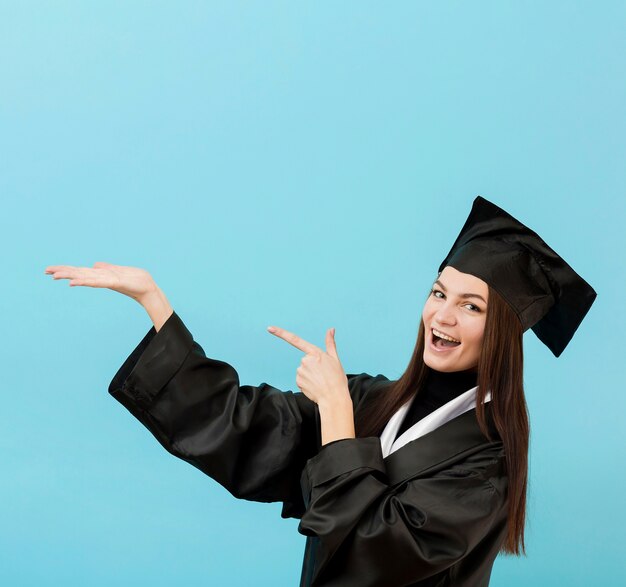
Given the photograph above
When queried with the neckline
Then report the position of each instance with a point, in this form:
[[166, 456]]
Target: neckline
[[436, 419]]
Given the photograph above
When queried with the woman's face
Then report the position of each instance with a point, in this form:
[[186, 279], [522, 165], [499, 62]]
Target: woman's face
[[457, 307]]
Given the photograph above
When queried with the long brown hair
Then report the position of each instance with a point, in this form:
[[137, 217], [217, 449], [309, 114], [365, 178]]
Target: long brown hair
[[500, 369]]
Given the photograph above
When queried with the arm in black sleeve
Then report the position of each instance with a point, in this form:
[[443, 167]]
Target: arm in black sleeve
[[253, 440]]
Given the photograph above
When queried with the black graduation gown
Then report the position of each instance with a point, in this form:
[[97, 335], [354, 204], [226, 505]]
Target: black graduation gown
[[431, 513]]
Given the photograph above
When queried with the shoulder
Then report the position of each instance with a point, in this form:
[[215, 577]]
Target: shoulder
[[363, 385]]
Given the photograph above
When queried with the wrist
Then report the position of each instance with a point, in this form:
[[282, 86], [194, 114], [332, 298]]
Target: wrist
[[157, 306], [336, 419], [338, 404]]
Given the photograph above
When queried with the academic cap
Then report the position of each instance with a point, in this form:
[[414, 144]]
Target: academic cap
[[544, 291]]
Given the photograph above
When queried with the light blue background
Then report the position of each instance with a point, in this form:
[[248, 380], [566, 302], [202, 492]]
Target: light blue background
[[306, 165]]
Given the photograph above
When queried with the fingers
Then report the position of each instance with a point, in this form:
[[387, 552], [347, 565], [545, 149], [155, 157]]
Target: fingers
[[62, 271], [53, 268], [82, 276], [294, 340], [57, 268], [331, 347], [76, 275]]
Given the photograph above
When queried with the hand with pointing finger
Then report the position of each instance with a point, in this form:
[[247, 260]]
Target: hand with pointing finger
[[320, 375]]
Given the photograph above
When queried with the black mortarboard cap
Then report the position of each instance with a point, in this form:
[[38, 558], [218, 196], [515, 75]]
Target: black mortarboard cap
[[544, 291]]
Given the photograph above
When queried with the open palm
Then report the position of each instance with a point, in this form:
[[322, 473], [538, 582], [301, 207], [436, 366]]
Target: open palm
[[130, 281]]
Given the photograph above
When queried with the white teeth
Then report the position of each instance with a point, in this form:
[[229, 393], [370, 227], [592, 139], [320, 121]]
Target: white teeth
[[445, 336]]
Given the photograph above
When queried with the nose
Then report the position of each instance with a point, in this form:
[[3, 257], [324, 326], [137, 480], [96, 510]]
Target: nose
[[445, 315]]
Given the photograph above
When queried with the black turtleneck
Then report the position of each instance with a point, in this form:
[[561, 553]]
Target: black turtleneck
[[438, 389]]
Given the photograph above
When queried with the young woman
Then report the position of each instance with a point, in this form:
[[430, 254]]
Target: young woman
[[417, 481]]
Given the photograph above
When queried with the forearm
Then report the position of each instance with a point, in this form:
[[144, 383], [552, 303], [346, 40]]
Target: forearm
[[337, 420], [191, 404], [157, 306]]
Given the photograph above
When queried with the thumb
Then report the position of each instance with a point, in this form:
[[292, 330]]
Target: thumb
[[331, 347]]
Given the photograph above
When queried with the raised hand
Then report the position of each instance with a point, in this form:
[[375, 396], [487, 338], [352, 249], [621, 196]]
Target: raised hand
[[320, 375], [131, 281]]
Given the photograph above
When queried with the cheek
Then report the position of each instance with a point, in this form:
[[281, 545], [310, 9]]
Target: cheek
[[475, 341]]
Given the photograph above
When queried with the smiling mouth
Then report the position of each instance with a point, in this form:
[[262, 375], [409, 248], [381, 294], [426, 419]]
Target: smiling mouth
[[441, 344]]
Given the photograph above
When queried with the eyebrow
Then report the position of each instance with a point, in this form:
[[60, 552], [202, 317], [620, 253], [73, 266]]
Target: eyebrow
[[465, 295]]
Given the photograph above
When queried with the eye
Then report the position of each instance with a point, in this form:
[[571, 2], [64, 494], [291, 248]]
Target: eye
[[436, 291]]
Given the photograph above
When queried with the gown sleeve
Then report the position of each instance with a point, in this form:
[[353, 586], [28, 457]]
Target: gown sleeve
[[253, 440], [370, 534]]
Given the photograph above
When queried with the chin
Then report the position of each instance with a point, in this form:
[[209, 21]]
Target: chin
[[445, 368], [444, 365]]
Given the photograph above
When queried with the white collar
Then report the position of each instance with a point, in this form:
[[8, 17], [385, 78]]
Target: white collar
[[455, 407]]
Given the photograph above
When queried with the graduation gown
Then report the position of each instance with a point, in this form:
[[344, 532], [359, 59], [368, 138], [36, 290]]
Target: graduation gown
[[425, 509]]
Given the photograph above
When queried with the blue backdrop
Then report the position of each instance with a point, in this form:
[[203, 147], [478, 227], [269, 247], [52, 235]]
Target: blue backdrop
[[306, 165]]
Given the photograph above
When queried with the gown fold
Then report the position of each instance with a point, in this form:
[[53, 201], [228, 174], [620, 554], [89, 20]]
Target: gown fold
[[253, 440], [431, 513]]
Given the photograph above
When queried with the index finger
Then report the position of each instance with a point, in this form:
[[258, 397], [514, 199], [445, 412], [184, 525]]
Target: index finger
[[51, 268], [293, 339]]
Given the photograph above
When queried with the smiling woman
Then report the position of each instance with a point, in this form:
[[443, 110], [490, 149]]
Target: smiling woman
[[489, 360], [514, 281], [421, 481]]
